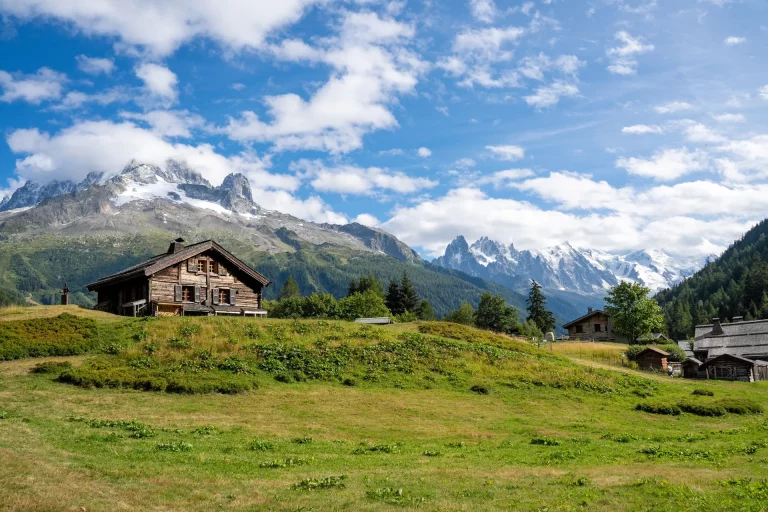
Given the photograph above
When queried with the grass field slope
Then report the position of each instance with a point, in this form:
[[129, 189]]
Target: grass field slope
[[106, 413]]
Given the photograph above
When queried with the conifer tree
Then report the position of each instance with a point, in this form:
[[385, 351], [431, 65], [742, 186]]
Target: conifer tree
[[370, 283], [353, 288], [393, 299], [425, 311], [409, 299], [537, 309], [290, 289]]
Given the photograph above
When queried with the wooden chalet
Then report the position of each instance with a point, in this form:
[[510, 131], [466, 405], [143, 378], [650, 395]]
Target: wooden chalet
[[730, 367], [199, 279], [595, 326], [653, 359]]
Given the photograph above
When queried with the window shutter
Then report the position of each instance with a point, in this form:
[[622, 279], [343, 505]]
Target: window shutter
[[197, 294], [177, 293], [216, 296], [233, 297], [221, 270], [192, 265]]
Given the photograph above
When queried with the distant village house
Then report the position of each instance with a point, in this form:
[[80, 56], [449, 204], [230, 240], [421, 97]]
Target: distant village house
[[200, 279], [594, 326]]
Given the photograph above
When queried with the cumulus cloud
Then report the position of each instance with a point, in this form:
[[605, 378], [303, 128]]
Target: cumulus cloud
[[353, 180], [44, 85], [666, 165], [673, 107], [95, 65], [734, 41], [764, 92], [623, 61], [372, 65], [168, 123], [642, 129], [159, 29], [509, 152], [729, 118], [483, 10], [159, 82], [549, 95], [424, 152]]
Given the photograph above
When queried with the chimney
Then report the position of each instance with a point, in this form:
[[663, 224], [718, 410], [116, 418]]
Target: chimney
[[589, 310], [737, 319], [716, 328], [176, 246]]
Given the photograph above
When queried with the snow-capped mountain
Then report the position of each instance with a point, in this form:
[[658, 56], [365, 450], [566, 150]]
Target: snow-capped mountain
[[564, 267]]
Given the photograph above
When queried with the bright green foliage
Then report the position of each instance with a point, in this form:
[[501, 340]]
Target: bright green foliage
[[290, 289], [365, 284], [530, 330], [289, 307], [425, 311], [320, 305], [362, 305], [464, 315], [64, 335], [634, 315], [537, 309], [494, 314]]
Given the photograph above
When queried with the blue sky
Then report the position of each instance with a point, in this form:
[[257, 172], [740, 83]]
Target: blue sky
[[614, 124]]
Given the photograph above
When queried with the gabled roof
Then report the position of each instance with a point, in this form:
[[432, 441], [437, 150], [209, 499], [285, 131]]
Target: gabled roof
[[730, 356], [591, 313], [655, 350], [163, 261], [693, 360]]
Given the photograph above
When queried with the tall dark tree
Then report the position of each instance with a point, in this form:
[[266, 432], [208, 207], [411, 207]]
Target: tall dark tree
[[290, 289], [537, 309], [393, 299], [494, 314], [353, 288], [409, 299]]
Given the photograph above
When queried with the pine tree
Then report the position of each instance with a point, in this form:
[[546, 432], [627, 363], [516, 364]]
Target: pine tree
[[409, 299], [537, 309], [370, 283], [290, 289], [425, 311], [353, 288], [764, 306], [393, 299]]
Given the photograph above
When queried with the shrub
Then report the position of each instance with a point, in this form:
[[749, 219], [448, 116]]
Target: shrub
[[313, 484], [179, 343], [702, 392], [51, 367], [261, 446], [634, 350], [545, 441], [740, 406], [658, 408], [349, 382], [64, 335], [702, 409], [480, 389]]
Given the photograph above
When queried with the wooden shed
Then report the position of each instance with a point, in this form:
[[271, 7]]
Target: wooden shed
[[730, 367], [692, 369], [653, 359]]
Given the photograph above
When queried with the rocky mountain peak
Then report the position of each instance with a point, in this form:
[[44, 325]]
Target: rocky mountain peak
[[237, 185]]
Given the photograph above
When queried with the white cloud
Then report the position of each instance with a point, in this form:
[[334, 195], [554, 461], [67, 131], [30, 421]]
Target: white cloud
[[501, 178], [168, 123], [95, 65], [697, 132], [509, 152], [729, 118], [642, 129], [44, 85], [734, 40], [483, 10], [160, 28], [159, 82], [372, 65], [673, 107], [549, 95], [622, 58], [665, 165], [424, 152], [78, 99], [353, 180], [764, 92], [367, 219], [237, 86], [464, 163]]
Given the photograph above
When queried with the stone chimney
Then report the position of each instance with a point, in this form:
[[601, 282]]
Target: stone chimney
[[589, 310], [716, 327], [737, 319], [176, 246]]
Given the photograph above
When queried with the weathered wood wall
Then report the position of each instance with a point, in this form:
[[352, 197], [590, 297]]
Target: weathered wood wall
[[730, 369], [111, 299], [652, 361], [588, 328]]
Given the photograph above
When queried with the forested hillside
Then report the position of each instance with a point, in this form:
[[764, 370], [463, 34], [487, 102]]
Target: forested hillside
[[736, 284]]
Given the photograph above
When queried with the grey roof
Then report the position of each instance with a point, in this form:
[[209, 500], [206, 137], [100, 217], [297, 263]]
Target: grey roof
[[686, 346], [654, 349], [384, 320], [744, 339], [693, 360], [730, 356]]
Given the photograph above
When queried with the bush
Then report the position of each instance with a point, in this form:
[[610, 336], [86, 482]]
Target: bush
[[740, 406], [634, 350], [659, 408], [362, 305], [703, 392], [64, 335], [464, 315], [349, 382], [702, 408], [261, 446], [51, 367], [480, 389]]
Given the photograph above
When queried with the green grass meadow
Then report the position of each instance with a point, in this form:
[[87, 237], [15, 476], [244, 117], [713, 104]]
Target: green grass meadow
[[245, 414]]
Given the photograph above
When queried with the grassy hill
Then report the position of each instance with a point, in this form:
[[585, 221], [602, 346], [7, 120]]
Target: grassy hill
[[338, 416], [37, 267]]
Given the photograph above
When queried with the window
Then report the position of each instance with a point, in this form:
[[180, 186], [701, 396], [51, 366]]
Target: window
[[597, 327], [187, 293], [193, 265], [579, 329], [223, 296]]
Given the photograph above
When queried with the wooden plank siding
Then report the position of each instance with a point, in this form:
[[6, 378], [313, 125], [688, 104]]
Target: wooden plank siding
[[587, 328]]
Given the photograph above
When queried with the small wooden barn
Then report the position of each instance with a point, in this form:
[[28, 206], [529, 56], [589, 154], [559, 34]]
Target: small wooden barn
[[692, 369], [730, 367], [199, 279], [653, 359]]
